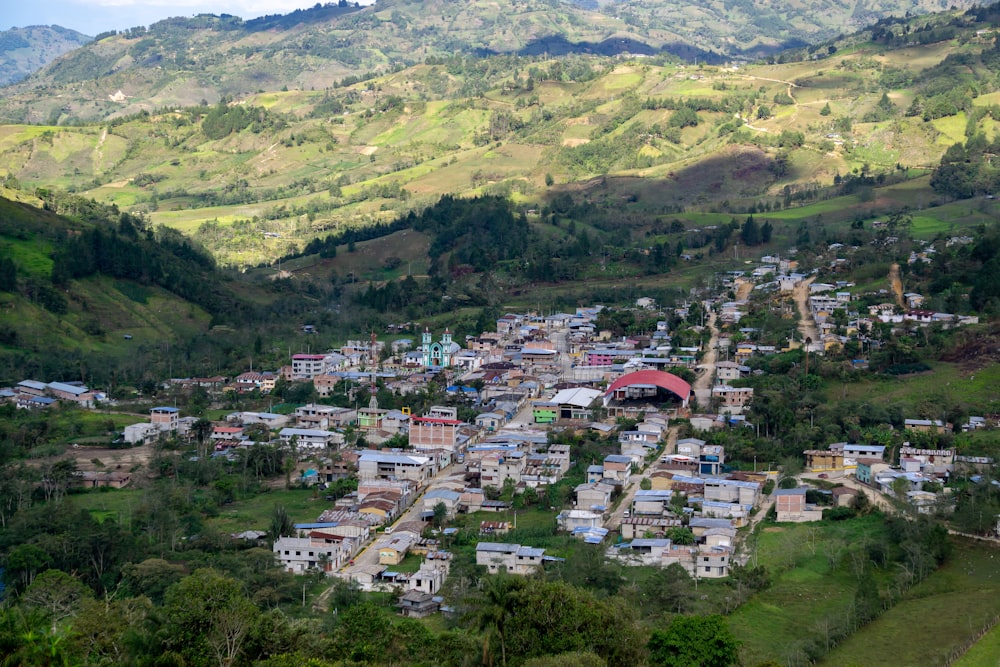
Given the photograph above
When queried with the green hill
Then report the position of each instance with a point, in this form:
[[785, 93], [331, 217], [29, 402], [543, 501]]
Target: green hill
[[258, 176], [95, 293]]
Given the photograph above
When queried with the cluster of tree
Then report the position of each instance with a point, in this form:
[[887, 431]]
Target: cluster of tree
[[225, 119], [961, 277], [966, 170], [475, 232], [399, 296]]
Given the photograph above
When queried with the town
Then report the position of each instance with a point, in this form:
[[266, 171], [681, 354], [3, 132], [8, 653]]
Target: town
[[511, 401]]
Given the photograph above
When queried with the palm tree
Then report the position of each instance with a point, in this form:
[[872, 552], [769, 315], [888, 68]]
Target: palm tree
[[493, 608]]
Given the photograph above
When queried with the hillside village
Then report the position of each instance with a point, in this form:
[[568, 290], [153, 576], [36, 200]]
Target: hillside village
[[499, 334], [663, 496]]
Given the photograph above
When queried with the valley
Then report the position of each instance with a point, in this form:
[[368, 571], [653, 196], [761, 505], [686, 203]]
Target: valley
[[527, 333]]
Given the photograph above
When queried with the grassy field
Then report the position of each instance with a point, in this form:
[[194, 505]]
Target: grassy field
[[302, 505], [925, 392], [811, 585], [960, 598]]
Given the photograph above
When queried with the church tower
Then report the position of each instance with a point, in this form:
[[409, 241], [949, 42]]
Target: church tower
[[446, 348], [426, 347]]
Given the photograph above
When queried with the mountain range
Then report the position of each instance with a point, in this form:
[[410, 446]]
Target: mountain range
[[181, 61]]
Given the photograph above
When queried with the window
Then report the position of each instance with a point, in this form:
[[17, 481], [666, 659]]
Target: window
[[708, 569]]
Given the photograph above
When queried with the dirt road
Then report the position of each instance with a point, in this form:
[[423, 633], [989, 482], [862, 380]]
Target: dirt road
[[807, 325], [706, 369]]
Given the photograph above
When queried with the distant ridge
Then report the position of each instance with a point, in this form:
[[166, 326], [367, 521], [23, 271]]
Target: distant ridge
[[24, 51], [183, 60]]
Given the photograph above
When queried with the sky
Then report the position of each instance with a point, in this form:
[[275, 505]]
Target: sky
[[96, 16]]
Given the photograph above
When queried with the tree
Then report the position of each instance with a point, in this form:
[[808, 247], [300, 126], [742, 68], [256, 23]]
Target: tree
[[440, 515], [8, 275], [106, 629], [681, 535], [683, 117], [363, 633], [24, 562], [494, 606], [672, 588], [750, 233], [694, 641], [55, 593], [152, 577], [207, 617], [281, 523], [825, 111]]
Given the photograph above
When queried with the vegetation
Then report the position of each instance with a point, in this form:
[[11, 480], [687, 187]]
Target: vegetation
[[197, 236]]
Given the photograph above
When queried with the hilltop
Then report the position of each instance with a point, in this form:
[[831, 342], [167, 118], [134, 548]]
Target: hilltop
[[24, 51]]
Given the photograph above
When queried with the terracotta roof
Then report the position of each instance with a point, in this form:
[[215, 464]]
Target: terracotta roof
[[661, 379]]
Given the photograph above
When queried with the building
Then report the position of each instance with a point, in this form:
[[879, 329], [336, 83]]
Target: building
[[73, 393], [165, 417], [651, 502], [732, 397], [418, 604], [510, 558], [116, 479], [574, 403], [647, 526], [617, 467], [924, 425], [318, 550], [495, 469], [818, 460], [594, 495], [310, 438], [432, 573], [392, 549], [645, 385], [390, 465], [791, 506], [709, 458], [307, 366], [701, 561], [435, 433], [438, 354], [450, 500], [732, 491], [570, 520]]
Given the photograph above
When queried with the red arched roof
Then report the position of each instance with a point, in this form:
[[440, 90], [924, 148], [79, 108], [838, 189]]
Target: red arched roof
[[661, 379]]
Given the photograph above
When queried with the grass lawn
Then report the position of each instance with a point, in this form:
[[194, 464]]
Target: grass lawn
[[117, 504], [302, 505], [960, 598], [984, 653]]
